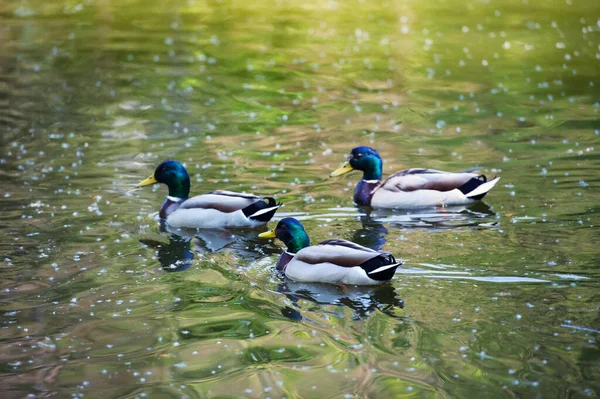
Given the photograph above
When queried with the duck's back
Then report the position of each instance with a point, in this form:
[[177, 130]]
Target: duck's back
[[224, 201]]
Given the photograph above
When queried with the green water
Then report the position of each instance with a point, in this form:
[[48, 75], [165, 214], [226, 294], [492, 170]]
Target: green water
[[499, 300]]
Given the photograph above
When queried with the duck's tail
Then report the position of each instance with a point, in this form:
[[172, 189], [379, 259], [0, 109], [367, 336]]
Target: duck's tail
[[261, 211], [382, 267], [478, 187]]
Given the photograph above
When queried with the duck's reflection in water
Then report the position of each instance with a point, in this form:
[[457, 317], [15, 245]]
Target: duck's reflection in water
[[478, 215], [362, 300], [173, 256], [177, 254], [243, 244], [372, 234]]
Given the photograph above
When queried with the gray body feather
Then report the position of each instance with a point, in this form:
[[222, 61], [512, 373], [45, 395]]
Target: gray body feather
[[221, 200], [426, 179]]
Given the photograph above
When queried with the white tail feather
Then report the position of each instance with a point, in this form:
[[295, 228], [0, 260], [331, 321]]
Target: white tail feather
[[484, 188], [383, 268], [263, 211]]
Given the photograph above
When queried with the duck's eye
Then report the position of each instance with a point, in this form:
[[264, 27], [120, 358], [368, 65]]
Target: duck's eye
[[359, 155]]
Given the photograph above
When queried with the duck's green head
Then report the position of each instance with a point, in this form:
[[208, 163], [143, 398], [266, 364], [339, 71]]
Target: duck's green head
[[174, 175], [365, 159], [291, 232]]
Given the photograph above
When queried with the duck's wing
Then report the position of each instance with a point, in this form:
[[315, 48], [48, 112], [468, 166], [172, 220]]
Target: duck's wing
[[339, 252], [427, 179], [224, 201]]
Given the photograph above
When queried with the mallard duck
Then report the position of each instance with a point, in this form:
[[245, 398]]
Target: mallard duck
[[333, 261], [215, 210], [412, 188]]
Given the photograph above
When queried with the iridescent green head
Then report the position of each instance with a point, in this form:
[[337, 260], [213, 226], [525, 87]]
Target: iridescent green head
[[174, 175], [291, 232], [365, 159]]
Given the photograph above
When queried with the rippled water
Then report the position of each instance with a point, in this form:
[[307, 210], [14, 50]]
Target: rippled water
[[497, 300]]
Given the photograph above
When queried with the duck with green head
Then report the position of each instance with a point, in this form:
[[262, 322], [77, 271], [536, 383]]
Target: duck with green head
[[412, 188], [334, 261], [215, 210]]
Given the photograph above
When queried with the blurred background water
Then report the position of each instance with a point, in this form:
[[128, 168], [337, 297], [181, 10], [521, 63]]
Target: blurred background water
[[500, 299]]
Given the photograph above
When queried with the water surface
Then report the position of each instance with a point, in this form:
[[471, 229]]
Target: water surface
[[497, 300]]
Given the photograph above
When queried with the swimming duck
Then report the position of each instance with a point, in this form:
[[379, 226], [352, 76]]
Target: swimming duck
[[333, 261], [215, 210], [412, 188]]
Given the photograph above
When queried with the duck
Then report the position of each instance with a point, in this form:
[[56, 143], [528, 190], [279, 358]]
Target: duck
[[333, 261], [412, 188], [219, 209]]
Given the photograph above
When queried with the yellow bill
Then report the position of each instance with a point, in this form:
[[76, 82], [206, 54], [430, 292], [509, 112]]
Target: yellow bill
[[346, 167], [149, 181], [267, 234]]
